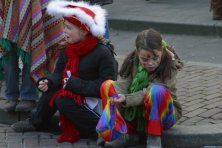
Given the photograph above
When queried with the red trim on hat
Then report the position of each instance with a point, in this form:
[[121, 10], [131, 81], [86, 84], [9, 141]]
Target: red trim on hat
[[86, 10], [74, 20]]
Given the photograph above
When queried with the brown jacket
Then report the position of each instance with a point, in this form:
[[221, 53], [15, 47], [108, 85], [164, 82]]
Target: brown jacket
[[137, 98]]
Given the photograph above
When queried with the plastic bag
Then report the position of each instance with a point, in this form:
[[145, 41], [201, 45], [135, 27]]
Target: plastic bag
[[111, 125]]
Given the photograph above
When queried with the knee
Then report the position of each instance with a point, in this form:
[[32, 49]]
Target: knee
[[157, 88], [106, 84], [60, 103], [157, 91]]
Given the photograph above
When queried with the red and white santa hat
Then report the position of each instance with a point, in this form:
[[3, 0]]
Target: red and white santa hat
[[88, 17]]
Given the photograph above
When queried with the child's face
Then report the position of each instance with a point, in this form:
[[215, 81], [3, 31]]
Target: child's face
[[73, 34], [150, 60]]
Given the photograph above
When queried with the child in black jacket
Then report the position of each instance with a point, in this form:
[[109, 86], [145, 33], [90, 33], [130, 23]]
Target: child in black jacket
[[74, 87]]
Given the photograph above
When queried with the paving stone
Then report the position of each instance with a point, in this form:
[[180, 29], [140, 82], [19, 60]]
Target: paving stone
[[187, 123], [206, 121], [219, 107], [2, 137], [45, 135], [215, 95], [14, 139], [194, 120], [213, 105], [14, 134], [3, 144], [194, 97], [80, 145], [15, 145], [216, 121], [210, 112], [30, 142], [212, 101], [194, 92], [48, 142], [31, 133], [195, 112], [49, 146], [194, 107], [215, 87], [211, 83], [2, 130], [193, 102], [185, 112], [183, 118], [65, 145], [217, 116]]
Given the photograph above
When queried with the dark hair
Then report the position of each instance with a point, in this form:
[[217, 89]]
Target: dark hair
[[149, 40]]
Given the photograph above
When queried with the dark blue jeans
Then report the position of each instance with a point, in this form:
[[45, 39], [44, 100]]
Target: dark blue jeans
[[27, 90]]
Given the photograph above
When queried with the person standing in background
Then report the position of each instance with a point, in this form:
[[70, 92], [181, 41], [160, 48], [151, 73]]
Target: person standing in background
[[28, 33], [216, 7]]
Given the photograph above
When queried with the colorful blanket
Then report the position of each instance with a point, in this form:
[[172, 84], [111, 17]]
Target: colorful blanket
[[25, 27]]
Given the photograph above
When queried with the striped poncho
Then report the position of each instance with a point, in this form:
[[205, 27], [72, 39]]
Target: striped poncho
[[26, 28]]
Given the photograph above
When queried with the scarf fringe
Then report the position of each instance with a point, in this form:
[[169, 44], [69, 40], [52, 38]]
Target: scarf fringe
[[70, 132], [65, 93], [7, 45]]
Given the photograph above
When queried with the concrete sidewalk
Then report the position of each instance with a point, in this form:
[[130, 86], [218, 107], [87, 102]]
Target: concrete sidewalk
[[191, 17]]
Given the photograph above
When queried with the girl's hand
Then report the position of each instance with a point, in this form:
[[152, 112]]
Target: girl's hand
[[43, 85], [117, 100]]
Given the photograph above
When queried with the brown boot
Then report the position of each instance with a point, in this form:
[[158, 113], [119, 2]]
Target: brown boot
[[216, 7], [25, 106], [10, 105]]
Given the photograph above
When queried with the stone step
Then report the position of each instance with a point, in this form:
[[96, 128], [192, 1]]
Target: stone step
[[11, 117]]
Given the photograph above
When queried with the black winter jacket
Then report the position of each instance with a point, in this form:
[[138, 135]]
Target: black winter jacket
[[94, 68]]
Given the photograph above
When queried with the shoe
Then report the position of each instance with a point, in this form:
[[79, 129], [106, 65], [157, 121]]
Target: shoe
[[217, 17], [153, 141], [127, 140], [25, 106], [100, 142], [23, 126], [10, 105]]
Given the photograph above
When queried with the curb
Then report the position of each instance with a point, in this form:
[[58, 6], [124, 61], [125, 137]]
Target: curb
[[193, 136], [166, 27]]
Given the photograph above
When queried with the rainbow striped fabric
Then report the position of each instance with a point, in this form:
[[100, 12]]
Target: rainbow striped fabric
[[35, 34], [159, 109], [111, 125]]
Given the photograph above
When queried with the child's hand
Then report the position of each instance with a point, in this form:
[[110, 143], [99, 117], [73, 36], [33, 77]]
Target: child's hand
[[43, 85], [117, 100], [65, 81]]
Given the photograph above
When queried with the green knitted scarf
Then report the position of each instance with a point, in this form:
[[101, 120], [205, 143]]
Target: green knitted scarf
[[137, 113]]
